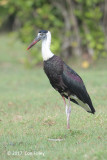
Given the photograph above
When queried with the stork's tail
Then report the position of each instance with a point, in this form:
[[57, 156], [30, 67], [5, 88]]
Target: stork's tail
[[92, 110]]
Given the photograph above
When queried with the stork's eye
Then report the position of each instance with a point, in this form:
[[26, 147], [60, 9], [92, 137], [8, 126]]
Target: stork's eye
[[41, 34]]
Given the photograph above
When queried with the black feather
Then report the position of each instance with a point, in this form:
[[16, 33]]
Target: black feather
[[66, 81], [76, 86]]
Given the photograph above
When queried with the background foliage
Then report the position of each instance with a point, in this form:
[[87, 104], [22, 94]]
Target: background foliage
[[78, 27]]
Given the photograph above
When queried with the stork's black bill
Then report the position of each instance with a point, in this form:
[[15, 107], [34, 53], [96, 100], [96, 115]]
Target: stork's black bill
[[63, 78]]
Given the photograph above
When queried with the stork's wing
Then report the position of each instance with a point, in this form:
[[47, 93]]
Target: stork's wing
[[77, 88]]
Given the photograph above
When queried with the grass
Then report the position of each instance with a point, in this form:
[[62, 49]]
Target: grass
[[32, 112]]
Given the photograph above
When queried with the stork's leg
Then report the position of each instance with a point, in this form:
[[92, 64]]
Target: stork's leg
[[68, 111], [64, 100]]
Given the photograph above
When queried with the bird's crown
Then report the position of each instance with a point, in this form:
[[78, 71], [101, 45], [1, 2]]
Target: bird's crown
[[43, 31]]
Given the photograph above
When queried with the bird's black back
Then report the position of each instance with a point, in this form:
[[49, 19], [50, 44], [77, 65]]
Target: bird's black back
[[66, 81], [76, 85]]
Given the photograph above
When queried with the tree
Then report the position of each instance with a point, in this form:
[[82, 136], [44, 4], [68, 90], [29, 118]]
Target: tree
[[78, 27], [105, 23]]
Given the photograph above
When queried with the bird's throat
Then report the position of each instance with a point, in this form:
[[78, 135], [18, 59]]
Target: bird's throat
[[46, 52]]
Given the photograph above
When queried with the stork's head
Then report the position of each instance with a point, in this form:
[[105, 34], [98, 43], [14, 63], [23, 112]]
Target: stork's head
[[42, 34]]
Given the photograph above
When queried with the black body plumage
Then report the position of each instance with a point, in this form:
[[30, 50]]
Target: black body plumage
[[67, 82]]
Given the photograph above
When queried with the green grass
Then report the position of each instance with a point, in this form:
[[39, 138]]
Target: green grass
[[32, 112]]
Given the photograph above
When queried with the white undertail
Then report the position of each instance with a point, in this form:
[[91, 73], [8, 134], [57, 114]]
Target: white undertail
[[46, 52]]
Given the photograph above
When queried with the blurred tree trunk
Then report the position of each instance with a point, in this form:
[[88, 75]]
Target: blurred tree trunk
[[75, 27], [105, 24], [90, 51], [66, 48], [71, 37]]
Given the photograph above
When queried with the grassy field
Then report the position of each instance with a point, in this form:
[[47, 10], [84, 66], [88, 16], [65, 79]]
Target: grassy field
[[32, 112]]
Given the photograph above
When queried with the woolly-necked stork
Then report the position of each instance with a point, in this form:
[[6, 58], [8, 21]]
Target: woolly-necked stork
[[63, 79]]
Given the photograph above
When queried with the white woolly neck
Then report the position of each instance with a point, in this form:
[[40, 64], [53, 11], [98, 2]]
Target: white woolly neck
[[46, 52]]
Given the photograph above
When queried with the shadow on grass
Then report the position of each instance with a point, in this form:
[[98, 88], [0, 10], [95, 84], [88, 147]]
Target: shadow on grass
[[75, 132], [66, 134]]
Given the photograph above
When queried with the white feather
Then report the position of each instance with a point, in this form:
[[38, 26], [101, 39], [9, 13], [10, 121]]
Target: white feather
[[83, 105], [46, 52]]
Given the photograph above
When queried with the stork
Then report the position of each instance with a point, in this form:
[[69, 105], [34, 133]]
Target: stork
[[62, 78]]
